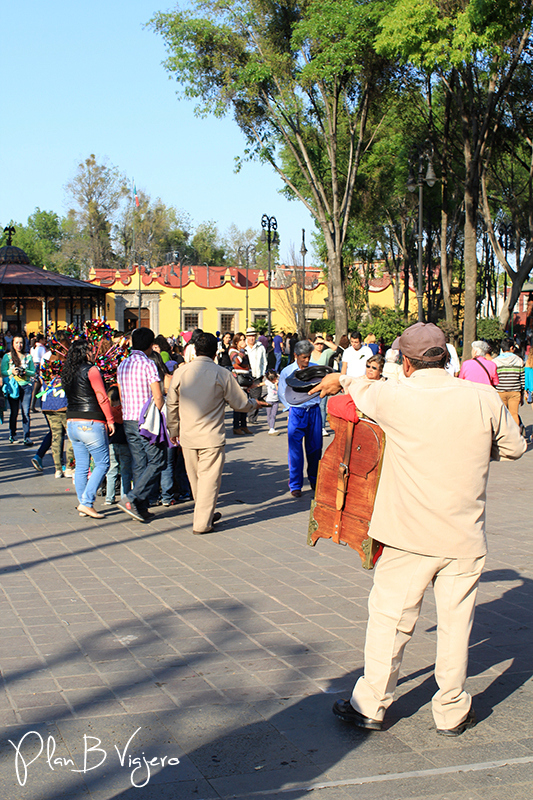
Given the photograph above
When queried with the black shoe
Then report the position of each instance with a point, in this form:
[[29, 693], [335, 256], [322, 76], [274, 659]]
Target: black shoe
[[296, 492], [131, 509], [469, 721], [345, 711], [145, 514], [216, 517]]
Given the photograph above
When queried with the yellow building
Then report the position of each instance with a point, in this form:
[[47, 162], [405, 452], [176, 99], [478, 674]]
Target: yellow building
[[175, 298]]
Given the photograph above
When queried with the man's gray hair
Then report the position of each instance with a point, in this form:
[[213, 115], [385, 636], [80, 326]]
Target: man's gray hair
[[303, 348], [480, 348]]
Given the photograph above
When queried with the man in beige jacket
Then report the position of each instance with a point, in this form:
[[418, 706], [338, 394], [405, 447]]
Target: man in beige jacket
[[195, 416], [430, 516]]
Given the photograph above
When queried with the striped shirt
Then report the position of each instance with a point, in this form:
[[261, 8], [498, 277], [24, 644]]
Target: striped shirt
[[510, 373], [135, 375]]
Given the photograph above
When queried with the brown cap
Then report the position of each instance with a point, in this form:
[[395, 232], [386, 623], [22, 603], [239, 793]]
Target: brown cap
[[416, 340]]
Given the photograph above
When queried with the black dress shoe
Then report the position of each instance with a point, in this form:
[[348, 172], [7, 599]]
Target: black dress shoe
[[216, 517], [469, 721], [345, 711]]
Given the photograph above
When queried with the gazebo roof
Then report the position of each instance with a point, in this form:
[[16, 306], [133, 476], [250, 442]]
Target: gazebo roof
[[16, 271]]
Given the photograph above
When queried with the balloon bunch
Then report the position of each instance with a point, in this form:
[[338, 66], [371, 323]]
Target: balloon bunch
[[108, 361], [97, 329], [51, 367]]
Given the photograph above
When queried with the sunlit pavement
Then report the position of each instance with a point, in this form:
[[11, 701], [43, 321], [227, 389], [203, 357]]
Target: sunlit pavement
[[205, 666]]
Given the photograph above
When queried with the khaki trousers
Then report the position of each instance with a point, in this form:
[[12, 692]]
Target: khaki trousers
[[394, 605], [511, 400], [204, 470]]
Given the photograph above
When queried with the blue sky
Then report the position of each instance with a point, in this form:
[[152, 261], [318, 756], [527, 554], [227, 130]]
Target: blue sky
[[82, 78]]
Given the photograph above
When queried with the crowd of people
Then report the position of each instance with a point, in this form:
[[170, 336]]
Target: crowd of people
[[95, 387]]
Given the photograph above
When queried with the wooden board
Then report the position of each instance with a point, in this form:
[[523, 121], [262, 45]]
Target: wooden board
[[349, 524]]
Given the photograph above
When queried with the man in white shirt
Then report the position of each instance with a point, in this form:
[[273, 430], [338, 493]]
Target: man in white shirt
[[258, 363], [355, 357]]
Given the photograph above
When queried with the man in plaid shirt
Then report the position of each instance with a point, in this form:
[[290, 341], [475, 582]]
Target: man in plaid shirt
[[138, 381]]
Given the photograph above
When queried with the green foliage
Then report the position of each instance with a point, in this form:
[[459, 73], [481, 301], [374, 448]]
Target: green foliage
[[386, 324], [322, 326], [489, 328], [207, 245], [261, 326], [41, 238]]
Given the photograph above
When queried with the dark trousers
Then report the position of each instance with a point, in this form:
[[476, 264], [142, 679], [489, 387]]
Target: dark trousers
[[255, 393], [148, 463]]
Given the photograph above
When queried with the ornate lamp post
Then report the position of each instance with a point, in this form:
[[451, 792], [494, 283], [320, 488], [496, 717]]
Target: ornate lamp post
[[425, 155], [246, 254], [270, 236]]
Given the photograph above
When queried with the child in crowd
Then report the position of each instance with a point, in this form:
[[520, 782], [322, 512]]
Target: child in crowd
[[119, 452], [271, 385]]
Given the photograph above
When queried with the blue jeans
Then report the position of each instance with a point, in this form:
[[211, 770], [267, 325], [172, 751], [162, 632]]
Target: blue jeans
[[324, 410], [89, 438], [120, 461], [23, 401], [148, 463], [279, 356], [174, 472]]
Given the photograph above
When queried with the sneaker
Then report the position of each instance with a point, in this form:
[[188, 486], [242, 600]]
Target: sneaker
[[59, 473], [37, 463], [273, 432], [132, 510], [325, 432], [12, 439], [110, 502], [68, 472], [28, 443]]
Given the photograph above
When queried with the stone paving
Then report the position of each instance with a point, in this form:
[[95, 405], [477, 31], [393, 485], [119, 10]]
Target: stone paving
[[122, 641]]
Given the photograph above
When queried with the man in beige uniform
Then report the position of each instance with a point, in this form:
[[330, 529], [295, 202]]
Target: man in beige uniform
[[430, 516], [195, 415]]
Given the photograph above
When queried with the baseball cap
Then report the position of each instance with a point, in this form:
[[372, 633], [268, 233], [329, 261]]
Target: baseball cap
[[416, 340]]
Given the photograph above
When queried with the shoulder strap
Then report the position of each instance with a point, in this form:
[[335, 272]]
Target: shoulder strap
[[476, 358]]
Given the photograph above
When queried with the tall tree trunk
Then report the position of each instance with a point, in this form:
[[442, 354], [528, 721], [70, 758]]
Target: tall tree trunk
[[470, 257]]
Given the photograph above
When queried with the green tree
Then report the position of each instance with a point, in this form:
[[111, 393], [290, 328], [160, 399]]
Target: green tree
[[296, 75], [149, 232], [207, 245], [472, 49], [41, 238], [97, 191]]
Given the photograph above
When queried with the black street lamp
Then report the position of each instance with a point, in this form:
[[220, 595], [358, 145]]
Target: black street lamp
[[303, 251], [246, 254], [179, 260], [269, 235], [425, 155]]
